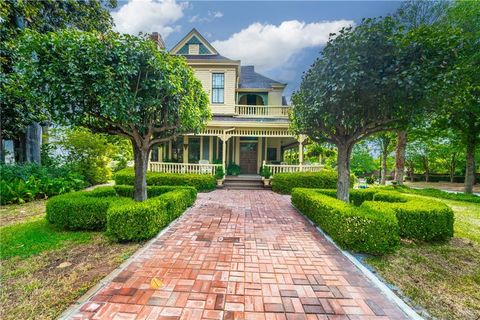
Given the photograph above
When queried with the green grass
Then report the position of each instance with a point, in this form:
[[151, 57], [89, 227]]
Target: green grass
[[44, 269], [444, 278], [35, 236]]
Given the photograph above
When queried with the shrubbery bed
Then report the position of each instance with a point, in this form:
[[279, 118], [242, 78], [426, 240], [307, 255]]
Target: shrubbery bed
[[285, 182], [113, 209], [376, 219], [202, 182]]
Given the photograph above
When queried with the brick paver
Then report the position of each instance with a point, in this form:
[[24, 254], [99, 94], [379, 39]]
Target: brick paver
[[240, 255]]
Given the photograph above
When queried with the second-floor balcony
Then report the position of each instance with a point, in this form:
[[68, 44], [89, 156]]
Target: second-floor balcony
[[261, 111]]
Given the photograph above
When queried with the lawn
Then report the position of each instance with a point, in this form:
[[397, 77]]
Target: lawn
[[43, 269], [443, 278]]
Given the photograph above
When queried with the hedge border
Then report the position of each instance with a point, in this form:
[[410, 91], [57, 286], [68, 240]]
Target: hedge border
[[284, 183]]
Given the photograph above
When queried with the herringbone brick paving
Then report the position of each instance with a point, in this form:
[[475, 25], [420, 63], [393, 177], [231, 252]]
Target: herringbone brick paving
[[240, 255]]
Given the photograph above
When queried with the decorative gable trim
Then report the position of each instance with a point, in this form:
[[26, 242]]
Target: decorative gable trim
[[195, 38]]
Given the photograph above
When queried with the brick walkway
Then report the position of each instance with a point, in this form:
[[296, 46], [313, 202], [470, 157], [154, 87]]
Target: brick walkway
[[241, 255]]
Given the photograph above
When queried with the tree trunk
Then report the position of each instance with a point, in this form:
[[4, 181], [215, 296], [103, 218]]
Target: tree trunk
[[343, 168], [140, 156], [383, 180], [33, 143], [426, 167], [470, 168], [400, 156]]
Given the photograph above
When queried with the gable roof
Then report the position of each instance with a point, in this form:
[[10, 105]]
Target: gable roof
[[250, 79], [194, 37]]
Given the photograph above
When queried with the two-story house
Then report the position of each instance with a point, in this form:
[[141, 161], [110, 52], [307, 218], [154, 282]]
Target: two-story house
[[249, 124]]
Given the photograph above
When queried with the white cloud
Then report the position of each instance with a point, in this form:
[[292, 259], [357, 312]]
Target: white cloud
[[210, 16], [148, 16], [269, 46]]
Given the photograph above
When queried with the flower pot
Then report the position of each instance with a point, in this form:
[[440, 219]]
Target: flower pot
[[219, 182], [266, 182]]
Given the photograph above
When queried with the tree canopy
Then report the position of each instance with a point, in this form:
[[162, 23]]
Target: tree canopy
[[116, 84]]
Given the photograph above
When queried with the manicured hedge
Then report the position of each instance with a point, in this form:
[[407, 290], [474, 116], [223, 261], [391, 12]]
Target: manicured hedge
[[358, 229], [285, 182], [80, 210], [415, 218], [202, 182], [113, 209], [143, 220]]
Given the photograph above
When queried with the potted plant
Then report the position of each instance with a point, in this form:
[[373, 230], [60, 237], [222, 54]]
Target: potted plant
[[219, 175], [233, 169], [266, 174]]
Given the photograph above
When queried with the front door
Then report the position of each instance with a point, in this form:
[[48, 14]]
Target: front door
[[248, 157]]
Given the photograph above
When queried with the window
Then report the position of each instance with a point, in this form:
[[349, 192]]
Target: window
[[218, 87], [271, 154]]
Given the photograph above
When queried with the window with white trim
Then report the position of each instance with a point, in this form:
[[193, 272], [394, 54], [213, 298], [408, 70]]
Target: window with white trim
[[218, 87]]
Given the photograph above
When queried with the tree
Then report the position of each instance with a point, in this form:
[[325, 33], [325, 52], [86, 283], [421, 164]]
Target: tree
[[47, 15], [458, 91], [414, 14], [385, 142], [361, 85], [116, 84]]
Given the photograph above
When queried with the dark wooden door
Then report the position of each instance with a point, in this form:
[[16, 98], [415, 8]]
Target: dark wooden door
[[248, 157]]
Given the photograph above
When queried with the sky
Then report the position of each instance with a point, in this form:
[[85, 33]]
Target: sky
[[281, 38]]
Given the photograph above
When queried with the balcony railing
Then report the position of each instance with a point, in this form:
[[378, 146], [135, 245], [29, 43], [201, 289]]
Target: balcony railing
[[268, 111], [287, 168], [170, 167]]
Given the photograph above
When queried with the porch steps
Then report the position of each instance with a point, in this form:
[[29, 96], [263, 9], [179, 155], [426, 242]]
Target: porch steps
[[244, 182]]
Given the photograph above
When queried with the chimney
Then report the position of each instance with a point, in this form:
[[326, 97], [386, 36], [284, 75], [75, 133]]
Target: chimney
[[157, 38]]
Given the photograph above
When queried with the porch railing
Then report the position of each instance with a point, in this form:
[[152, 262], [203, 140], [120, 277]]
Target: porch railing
[[169, 167], [268, 111], [287, 168]]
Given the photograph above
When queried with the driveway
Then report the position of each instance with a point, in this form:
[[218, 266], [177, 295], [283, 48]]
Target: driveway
[[240, 255]]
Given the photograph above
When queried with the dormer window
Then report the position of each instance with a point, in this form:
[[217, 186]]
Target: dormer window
[[194, 49]]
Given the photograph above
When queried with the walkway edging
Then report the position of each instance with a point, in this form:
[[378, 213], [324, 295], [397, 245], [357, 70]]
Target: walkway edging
[[369, 274], [80, 302]]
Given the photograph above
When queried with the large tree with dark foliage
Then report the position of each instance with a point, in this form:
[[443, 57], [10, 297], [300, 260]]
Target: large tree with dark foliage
[[365, 82], [116, 84], [46, 15]]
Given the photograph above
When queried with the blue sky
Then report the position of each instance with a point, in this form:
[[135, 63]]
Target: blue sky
[[281, 38]]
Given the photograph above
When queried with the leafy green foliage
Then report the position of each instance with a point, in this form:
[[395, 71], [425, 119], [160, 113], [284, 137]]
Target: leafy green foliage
[[22, 183], [351, 227], [233, 169], [143, 220], [265, 172], [362, 162], [285, 182], [219, 174], [89, 154], [113, 209], [43, 16], [202, 182], [116, 84]]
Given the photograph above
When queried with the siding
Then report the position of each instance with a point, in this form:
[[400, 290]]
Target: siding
[[204, 74]]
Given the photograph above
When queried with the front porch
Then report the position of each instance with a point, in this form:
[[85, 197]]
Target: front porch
[[246, 148]]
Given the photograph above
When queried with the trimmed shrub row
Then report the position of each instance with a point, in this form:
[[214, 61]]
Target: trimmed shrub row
[[202, 182], [358, 229], [285, 182], [113, 209], [414, 218]]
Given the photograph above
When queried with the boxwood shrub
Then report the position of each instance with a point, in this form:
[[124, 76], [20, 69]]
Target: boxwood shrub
[[142, 220], [202, 182], [80, 210], [285, 182], [113, 209], [354, 228]]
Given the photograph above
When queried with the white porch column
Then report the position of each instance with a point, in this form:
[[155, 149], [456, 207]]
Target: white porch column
[[224, 152], [301, 139]]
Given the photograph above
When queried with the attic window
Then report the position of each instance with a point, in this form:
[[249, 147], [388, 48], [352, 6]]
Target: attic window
[[193, 49]]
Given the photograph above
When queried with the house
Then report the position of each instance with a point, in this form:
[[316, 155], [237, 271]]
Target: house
[[249, 125]]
